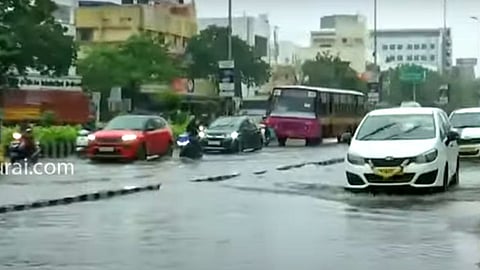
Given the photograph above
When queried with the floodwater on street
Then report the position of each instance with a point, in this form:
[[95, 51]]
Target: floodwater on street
[[299, 218]]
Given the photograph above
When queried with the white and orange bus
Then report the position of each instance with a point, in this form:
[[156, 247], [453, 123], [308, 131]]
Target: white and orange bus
[[313, 113]]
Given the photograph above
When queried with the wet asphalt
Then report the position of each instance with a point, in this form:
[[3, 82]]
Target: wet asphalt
[[293, 219]]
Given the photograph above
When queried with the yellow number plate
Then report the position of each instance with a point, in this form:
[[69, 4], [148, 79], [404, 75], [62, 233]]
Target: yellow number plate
[[388, 172]]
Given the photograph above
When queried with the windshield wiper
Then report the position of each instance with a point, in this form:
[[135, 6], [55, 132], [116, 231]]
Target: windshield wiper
[[404, 132], [377, 131]]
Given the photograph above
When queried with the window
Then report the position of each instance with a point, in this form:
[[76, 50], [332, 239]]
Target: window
[[399, 46], [409, 46], [409, 58], [416, 58], [159, 123], [85, 34], [392, 46], [384, 47], [432, 57], [416, 46], [399, 57], [424, 46], [432, 46], [151, 125], [424, 58]]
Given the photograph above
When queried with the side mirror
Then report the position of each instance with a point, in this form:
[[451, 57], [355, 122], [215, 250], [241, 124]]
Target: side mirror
[[452, 136], [346, 137]]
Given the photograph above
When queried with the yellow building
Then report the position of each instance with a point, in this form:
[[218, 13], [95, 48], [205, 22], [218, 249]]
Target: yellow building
[[176, 23]]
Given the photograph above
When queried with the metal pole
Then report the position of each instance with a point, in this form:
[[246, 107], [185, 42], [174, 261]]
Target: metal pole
[[414, 92], [229, 29], [444, 49], [375, 33]]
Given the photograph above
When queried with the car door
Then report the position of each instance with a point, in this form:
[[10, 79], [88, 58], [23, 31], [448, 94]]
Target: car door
[[244, 134], [150, 134], [452, 147], [162, 135], [256, 134]]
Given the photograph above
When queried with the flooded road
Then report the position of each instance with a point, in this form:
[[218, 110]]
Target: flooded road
[[294, 219]]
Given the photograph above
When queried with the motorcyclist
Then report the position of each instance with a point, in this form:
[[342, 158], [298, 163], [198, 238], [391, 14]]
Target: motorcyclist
[[28, 141], [193, 126]]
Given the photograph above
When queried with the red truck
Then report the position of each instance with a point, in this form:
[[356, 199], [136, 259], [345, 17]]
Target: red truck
[[69, 107]]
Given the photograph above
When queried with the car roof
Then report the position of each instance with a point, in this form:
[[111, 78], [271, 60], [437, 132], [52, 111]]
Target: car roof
[[405, 110], [468, 110]]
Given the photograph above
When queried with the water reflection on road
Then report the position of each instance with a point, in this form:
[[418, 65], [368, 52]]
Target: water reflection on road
[[300, 218]]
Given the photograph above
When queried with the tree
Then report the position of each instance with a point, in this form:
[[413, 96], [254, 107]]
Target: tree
[[330, 71], [31, 38], [210, 46], [141, 59]]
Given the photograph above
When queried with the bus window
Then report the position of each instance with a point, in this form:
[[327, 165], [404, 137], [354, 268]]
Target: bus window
[[336, 103], [323, 104], [293, 100]]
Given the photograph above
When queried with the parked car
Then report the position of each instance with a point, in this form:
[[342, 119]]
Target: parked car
[[403, 147], [467, 123], [233, 134], [132, 137]]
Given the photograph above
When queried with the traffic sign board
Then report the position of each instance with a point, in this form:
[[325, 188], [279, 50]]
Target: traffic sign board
[[227, 78], [413, 74]]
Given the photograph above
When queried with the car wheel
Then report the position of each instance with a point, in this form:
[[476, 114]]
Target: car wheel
[[445, 179], [260, 144], [282, 142], [456, 176], [142, 152]]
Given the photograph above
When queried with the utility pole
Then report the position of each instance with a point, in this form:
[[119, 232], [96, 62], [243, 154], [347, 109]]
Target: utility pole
[[375, 32], [229, 29]]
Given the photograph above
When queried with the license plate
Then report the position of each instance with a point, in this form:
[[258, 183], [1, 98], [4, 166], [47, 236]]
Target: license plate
[[106, 149], [388, 172], [214, 142], [82, 141]]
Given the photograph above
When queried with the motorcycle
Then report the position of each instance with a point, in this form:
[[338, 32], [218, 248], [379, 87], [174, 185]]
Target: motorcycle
[[81, 143], [17, 152], [267, 138], [189, 148]]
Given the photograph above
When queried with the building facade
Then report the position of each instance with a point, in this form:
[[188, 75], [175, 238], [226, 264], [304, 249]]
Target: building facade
[[173, 21], [255, 31], [465, 68], [345, 36], [430, 48]]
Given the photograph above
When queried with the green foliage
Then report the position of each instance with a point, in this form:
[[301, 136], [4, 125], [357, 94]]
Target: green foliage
[[331, 72], [45, 135], [169, 100], [142, 58], [210, 46], [31, 38], [47, 119]]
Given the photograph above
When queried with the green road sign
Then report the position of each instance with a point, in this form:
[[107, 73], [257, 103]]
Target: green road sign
[[413, 74]]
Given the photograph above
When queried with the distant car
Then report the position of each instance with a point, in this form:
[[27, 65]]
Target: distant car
[[467, 123], [131, 137], [410, 104], [233, 134], [403, 147]]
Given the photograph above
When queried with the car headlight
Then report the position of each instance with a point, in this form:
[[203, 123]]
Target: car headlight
[[355, 160], [129, 137], [91, 137], [427, 157], [234, 135], [17, 135], [201, 134]]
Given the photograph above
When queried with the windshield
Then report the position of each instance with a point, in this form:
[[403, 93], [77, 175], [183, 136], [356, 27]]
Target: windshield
[[463, 120], [126, 123], [397, 127], [225, 123], [293, 101]]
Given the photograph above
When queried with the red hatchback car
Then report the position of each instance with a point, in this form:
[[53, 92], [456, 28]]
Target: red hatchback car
[[131, 137]]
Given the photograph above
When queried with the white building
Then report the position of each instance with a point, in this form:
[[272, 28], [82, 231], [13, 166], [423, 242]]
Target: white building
[[425, 47], [287, 53], [345, 36], [256, 31]]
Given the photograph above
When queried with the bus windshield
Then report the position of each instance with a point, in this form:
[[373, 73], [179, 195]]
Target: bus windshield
[[292, 101]]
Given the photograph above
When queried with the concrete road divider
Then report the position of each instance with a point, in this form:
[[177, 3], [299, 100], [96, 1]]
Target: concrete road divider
[[80, 198], [216, 178], [260, 172], [318, 163]]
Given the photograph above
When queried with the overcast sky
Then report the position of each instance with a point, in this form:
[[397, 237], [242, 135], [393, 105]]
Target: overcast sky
[[296, 18]]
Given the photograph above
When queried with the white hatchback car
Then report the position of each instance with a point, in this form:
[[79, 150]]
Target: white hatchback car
[[467, 123], [411, 147]]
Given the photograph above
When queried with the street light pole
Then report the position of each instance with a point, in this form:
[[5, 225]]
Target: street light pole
[[375, 33], [229, 29]]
